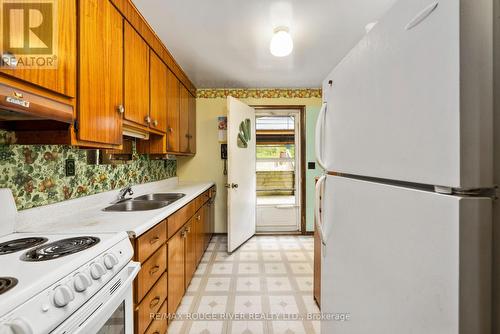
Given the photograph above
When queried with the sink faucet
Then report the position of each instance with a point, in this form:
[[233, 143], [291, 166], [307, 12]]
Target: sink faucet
[[123, 192]]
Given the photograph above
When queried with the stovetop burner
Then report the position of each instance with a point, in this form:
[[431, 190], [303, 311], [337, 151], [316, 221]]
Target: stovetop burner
[[12, 246], [7, 283], [59, 248]]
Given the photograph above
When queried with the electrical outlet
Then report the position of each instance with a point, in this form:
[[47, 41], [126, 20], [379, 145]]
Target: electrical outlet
[[70, 167]]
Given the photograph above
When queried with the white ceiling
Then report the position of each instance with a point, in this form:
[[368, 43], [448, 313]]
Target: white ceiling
[[225, 43]]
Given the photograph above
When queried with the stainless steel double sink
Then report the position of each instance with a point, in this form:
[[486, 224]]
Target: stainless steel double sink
[[145, 202]]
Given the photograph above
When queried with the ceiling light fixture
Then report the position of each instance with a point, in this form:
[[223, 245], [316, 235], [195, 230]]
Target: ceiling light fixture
[[281, 43]]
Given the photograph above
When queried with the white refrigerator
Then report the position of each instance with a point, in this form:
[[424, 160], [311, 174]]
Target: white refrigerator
[[405, 136]]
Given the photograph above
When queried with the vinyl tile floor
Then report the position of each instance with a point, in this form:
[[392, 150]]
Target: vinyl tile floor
[[267, 277]]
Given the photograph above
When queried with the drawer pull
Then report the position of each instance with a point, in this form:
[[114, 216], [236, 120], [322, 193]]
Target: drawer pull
[[198, 217], [188, 229], [154, 240], [154, 302], [153, 270]]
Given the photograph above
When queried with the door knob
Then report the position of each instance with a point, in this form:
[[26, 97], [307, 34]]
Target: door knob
[[231, 185]]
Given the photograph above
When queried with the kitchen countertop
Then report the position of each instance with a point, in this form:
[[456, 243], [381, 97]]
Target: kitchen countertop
[[85, 215]]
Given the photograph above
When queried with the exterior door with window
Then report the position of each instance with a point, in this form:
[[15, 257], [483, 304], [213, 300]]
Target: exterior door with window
[[278, 171]]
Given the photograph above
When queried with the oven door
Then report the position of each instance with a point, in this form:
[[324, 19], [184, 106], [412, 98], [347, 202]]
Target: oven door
[[110, 311]]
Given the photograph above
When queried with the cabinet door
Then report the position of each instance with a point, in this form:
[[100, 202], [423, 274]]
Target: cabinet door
[[190, 252], [175, 270], [206, 226], [184, 120], [192, 124], [101, 72], [198, 220], [136, 77], [173, 112], [158, 103], [61, 79]]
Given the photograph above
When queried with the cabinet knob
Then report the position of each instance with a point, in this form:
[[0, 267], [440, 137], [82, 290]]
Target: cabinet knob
[[154, 302], [171, 130], [147, 119], [121, 109], [155, 122], [153, 270]]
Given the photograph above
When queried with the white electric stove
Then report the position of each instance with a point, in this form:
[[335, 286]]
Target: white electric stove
[[63, 283]]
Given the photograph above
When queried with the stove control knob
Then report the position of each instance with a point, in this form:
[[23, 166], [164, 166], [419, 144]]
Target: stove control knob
[[110, 261], [97, 270], [81, 282], [17, 326], [63, 295]]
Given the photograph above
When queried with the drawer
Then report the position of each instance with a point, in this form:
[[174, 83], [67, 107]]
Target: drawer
[[151, 304], [150, 241], [179, 218], [150, 272], [202, 199], [159, 326]]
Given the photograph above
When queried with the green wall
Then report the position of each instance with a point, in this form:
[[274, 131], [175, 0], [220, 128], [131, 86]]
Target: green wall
[[311, 116]]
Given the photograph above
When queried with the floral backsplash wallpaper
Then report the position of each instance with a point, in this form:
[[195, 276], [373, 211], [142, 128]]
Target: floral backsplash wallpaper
[[260, 93], [36, 174]]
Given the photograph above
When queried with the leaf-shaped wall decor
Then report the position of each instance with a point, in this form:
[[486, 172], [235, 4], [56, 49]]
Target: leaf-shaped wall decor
[[244, 134]]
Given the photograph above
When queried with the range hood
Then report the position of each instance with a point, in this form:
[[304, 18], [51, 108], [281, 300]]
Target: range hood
[[19, 105]]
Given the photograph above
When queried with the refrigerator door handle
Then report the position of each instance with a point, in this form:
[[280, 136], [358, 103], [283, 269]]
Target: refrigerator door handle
[[317, 214], [318, 145]]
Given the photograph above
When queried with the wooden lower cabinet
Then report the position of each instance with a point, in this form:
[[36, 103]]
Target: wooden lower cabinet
[[151, 304], [169, 254], [198, 220], [176, 277], [190, 252], [159, 325], [151, 271]]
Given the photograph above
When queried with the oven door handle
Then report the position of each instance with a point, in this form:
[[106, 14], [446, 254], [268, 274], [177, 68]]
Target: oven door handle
[[133, 270]]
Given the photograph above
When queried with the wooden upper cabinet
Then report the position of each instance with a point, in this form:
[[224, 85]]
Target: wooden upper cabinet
[[192, 124], [173, 94], [184, 120], [61, 79], [136, 55], [158, 99], [100, 99]]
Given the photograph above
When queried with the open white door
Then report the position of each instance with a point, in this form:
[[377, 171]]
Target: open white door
[[241, 178]]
